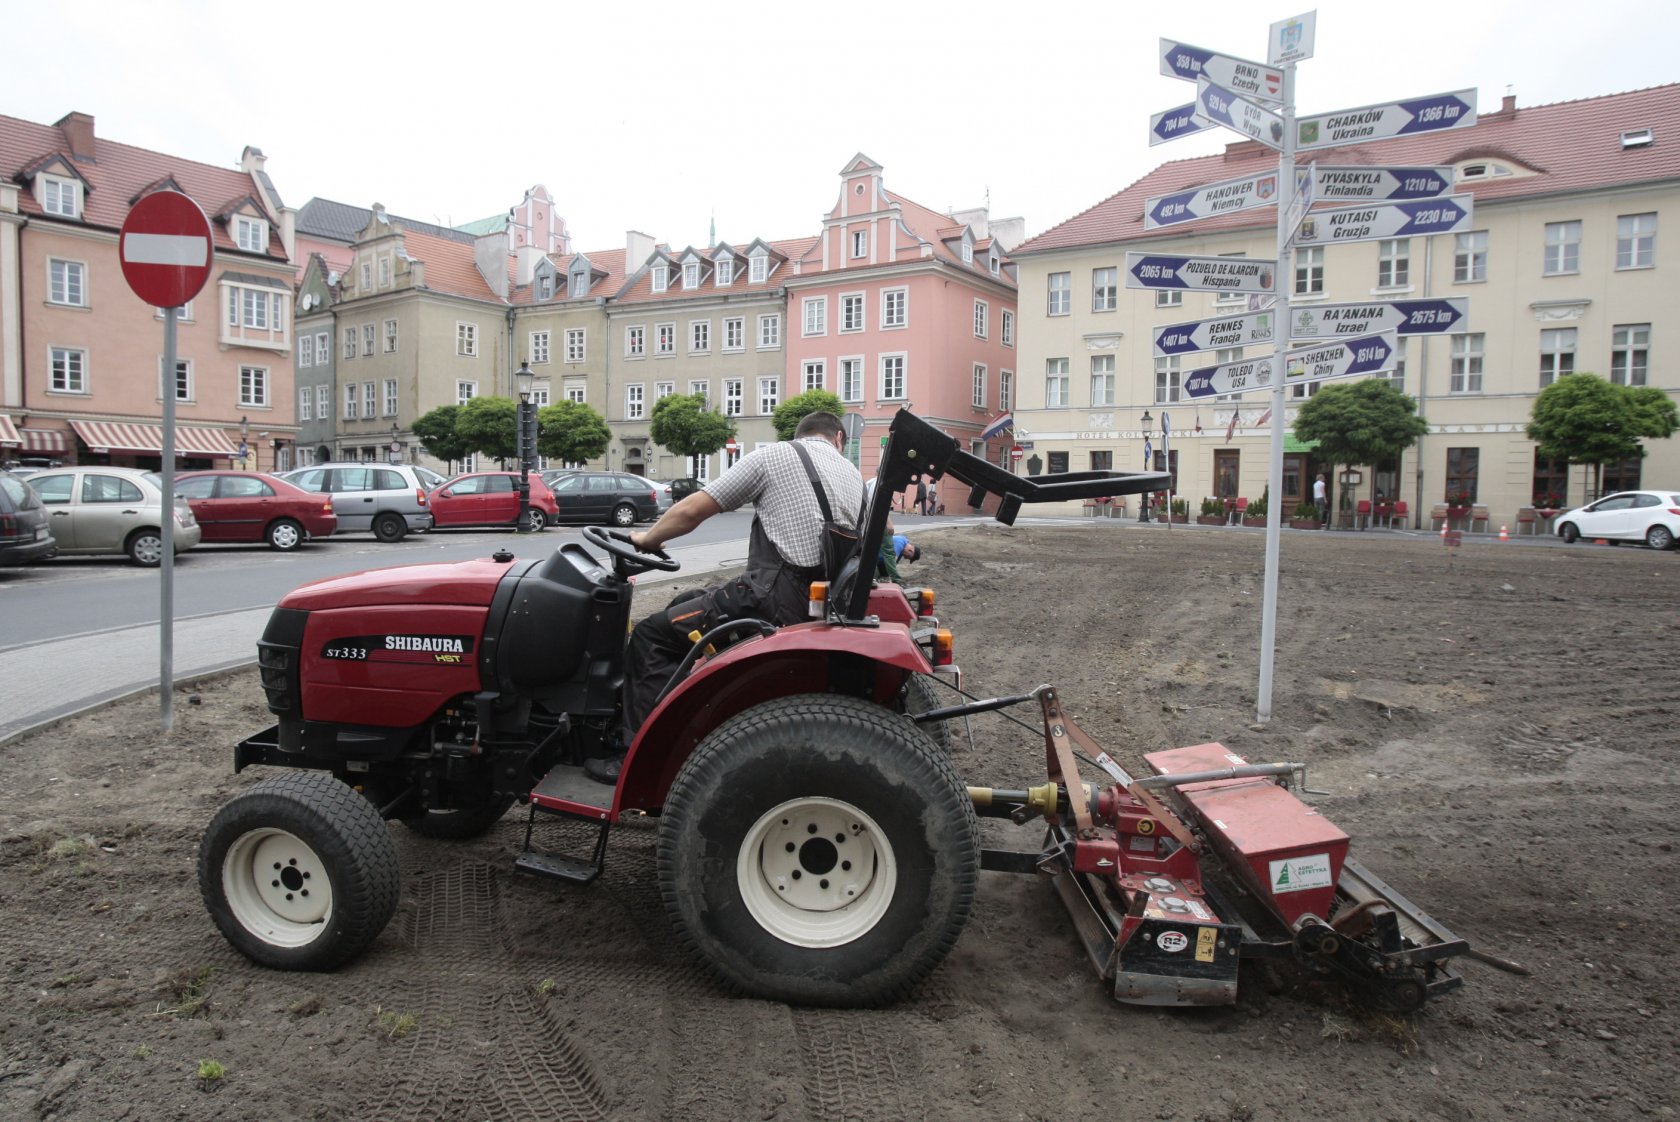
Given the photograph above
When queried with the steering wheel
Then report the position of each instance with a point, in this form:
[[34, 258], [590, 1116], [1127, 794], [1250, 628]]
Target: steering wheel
[[629, 558]]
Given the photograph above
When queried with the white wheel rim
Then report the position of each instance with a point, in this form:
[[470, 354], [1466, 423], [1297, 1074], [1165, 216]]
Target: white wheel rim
[[148, 549], [285, 536], [277, 888], [816, 872]]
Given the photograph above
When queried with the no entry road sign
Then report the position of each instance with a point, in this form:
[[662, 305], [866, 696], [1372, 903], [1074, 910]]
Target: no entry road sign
[[165, 249]]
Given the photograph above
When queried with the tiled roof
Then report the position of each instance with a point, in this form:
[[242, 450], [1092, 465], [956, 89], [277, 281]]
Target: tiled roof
[[450, 266], [1570, 146], [341, 222], [607, 261], [116, 174], [640, 289]]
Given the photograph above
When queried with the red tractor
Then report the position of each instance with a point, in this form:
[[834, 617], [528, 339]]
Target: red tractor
[[816, 845]]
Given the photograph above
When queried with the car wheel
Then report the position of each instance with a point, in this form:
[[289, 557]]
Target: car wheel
[[624, 515], [1658, 537], [818, 850], [536, 521], [389, 528], [299, 872], [285, 535], [145, 547], [1569, 533]]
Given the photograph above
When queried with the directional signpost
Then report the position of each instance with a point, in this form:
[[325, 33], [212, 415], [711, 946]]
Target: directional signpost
[[1379, 122], [1241, 376], [1385, 220], [1367, 354], [1174, 123], [1216, 334], [1200, 274], [1225, 197], [1353, 184], [1256, 80], [1404, 317], [1226, 107]]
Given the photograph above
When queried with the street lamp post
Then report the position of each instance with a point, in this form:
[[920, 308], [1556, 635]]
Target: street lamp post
[[523, 377], [1148, 423], [395, 455]]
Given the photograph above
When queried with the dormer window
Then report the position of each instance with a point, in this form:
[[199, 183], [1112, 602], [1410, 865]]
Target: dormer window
[[758, 268], [691, 274], [61, 196], [545, 286], [661, 277], [1638, 138], [1482, 171], [580, 284], [967, 254], [725, 271], [992, 264], [250, 234]]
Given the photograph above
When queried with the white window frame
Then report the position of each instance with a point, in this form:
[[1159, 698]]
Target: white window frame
[[1057, 388], [574, 391], [67, 282], [1309, 271], [306, 403], [635, 401], [733, 391], [770, 331], [813, 375], [253, 387], [1006, 390], [769, 394], [815, 317], [734, 333], [466, 339], [465, 390], [1169, 380], [1169, 297], [1006, 327], [978, 388], [1557, 353], [982, 319], [901, 297], [250, 234], [664, 339], [390, 336], [699, 336], [323, 348], [1105, 288], [61, 196], [1470, 257], [851, 379], [852, 315], [323, 402], [577, 344], [538, 348], [370, 400], [350, 343], [367, 339], [1636, 240], [635, 340], [306, 351], [1630, 354], [1058, 299], [758, 268], [183, 379], [701, 386], [660, 277], [1468, 358], [691, 275], [384, 270], [1102, 380], [893, 372], [1394, 263], [390, 397], [860, 244], [1561, 255], [350, 399], [663, 390], [723, 272]]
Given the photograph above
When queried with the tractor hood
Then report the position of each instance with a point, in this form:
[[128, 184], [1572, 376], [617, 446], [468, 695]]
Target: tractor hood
[[459, 583]]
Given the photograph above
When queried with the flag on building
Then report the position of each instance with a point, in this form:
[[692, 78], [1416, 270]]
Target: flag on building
[[1004, 423], [1231, 429], [1198, 420]]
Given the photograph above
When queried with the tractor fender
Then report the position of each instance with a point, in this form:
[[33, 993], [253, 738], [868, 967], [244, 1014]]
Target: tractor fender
[[805, 658]]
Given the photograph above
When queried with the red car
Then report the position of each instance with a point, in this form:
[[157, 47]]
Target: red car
[[490, 498], [248, 506]]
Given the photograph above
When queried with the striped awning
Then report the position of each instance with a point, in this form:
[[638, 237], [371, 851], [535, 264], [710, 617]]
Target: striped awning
[[47, 441], [121, 436], [8, 431]]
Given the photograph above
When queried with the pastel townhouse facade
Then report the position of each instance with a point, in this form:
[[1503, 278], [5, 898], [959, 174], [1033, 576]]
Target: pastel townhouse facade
[[81, 357], [896, 305], [1564, 265]]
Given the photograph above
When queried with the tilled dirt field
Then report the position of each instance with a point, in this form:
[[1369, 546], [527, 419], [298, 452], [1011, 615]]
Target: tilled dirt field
[[1496, 733]]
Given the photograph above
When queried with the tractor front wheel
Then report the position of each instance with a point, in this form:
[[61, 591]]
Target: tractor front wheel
[[299, 872], [818, 850]]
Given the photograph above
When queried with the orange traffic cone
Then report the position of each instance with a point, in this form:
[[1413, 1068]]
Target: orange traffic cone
[[1503, 536]]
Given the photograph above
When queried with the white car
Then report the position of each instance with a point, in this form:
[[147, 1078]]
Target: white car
[[1652, 517]]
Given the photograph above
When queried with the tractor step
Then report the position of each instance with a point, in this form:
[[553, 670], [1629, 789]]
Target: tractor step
[[556, 867]]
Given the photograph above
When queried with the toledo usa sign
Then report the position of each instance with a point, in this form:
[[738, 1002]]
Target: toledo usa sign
[[1216, 334], [1230, 377], [1348, 184], [1366, 355], [1174, 123], [1404, 317], [164, 248], [1223, 107], [1377, 122], [1225, 197], [1181, 60], [1385, 220], [1199, 274]]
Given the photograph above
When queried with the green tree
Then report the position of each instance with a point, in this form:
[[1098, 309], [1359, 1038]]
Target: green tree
[[1363, 422], [437, 435], [571, 432], [683, 424], [490, 425], [789, 413], [1582, 419]]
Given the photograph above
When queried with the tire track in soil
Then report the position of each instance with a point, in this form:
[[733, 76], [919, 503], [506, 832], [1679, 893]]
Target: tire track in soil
[[862, 1063]]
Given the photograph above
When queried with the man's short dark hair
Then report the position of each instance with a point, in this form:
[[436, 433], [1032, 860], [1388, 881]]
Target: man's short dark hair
[[821, 423]]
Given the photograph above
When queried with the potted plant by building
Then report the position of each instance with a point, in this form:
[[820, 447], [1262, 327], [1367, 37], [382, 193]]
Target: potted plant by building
[[1306, 516], [1181, 510], [1458, 507], [1256, 513], [1213, 512]]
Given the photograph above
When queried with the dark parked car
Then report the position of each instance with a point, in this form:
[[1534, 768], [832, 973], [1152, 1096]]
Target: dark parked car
[[246, 506], [603, 497], [24, 536], [489, 498]]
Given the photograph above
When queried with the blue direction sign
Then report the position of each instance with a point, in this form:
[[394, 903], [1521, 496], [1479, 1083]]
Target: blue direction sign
[[1200, 274], [1255, 79], [1225, 197], [1174, 123], [1367, 354], [1378, 122], [1216, 334], [1385, 220], [1225, 107], [1350, 184], [1404, 317], [1242, 376]]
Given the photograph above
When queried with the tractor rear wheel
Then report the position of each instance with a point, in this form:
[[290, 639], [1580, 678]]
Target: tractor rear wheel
[[818, 850], [920, 695], [299, 872]]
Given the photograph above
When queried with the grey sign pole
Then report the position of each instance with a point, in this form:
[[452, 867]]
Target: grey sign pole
[[166, 585]]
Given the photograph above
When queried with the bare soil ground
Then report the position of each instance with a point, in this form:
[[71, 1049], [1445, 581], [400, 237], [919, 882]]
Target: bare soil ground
[[1497, 734]]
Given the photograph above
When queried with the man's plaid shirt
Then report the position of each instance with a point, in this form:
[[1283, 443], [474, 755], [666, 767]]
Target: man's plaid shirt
[[774, 480]]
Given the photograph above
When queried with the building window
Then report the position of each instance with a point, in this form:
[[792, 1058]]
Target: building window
[[465, 392], [575, 344], [574, 392], [734, 333], [183, 379], [323, 397], [390, 336], [1557, 354], [349, 342], [1102, 380], [699, 336], [1397, 375], [769, 395], [1551, 482], [1466, 363], [1006, 389], [691, 274], [978, 395], [732, 397], [661, 277], [1470, 257], [66, 283], [1006, 330], [369, 405], [1394, 263], [1636, 241], [579, 285], [1102, 461], [1232, 354], [663, 390], [350, 400], [635, 341], [306, 404], [851, 312], [306, 351], [1105, 296], [892, 378], [1167, 379], [539, 395], [1629, 343], [1563, 248], [539, 346], [62, 197], [981, 316], [895, 307], [815, 376], [250, 234], [634, 402], [1060, 294], [466, 339], [758, 267], [769, 331], [367, 339], [1463, 468], [701, 388], [1309, 271], [248, 307], [860, 243], [967, 254], [851, 379], [1056, 383], [665, 338], [253, 386], [816, 315], [390, 397], [367, 276], [724, 272], [322, 355]]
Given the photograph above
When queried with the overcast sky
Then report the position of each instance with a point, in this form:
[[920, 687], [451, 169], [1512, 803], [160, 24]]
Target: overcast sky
[[657, 116]]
